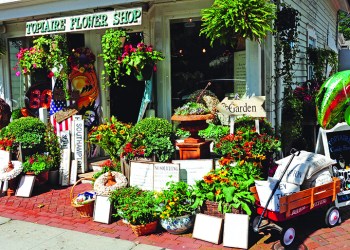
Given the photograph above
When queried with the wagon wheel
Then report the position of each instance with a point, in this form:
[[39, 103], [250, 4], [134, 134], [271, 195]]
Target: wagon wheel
[[287, 237], [332, 217]]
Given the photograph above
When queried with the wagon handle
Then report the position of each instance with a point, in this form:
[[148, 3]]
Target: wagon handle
[[294, 153]]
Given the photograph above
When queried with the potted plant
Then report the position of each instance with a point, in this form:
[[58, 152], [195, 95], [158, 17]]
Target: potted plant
[[176, 212], [123, 196], [140, 60], [38, 165], [110, 136], [151, 137], [141, 213], [28, 132], [111, 52], [48, 52], [226, 189], [193, 117], [227, 21]]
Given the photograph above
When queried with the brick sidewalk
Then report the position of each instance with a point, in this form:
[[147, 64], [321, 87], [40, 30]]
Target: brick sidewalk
[[51, 206]]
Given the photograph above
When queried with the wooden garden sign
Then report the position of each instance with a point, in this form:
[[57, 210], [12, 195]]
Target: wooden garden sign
[[252, 107], [64, 170], [79, 144]]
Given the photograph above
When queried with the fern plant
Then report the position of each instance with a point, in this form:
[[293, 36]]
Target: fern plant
[[228, 20]]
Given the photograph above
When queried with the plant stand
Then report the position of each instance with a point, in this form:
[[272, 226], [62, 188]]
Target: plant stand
[[193, 147], [188, 150]]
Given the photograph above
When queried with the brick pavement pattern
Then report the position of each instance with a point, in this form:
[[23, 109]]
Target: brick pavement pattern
[[52, 207]]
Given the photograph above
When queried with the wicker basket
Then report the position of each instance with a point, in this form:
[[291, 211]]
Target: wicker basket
[[211, 208], [85, 210], [144, 229]]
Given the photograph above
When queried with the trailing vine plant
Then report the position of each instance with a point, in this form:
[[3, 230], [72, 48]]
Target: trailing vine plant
[[286, 50], [55, 47], [320, 58], [112, 49]]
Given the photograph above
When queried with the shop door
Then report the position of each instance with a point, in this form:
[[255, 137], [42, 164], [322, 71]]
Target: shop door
[[125, 101], [194, 63]]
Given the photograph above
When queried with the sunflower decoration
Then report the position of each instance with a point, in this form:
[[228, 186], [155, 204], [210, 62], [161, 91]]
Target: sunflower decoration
[[82, 59]]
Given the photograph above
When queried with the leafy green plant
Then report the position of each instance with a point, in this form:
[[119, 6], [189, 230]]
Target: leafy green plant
[[151, 136], [38, 163], [124, 196], [142, 209], [228, 20], [111, 54], [27, 131], [16, 113], [176, 200], [214, 131], [229, 186]]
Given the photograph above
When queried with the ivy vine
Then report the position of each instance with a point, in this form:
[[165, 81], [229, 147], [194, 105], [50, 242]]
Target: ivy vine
[[111, 51], [2, 47]]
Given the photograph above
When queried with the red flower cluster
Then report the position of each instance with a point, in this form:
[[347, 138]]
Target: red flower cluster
[[6, 144], [129, 152], [307, 92]]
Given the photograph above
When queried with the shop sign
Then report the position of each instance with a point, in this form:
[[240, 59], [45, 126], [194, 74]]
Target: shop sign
[[251, 107], [101, 20]]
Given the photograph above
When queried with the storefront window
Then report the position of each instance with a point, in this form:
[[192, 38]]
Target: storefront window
[[194, 62]]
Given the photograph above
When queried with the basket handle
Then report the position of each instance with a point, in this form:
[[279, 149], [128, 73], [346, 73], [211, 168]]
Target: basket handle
[[80, 180]]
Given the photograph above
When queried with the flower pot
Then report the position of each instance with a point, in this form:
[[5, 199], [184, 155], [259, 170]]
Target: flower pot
[[211, 208], [53, 177], [145, 73], [40, 179], [144, 229], [178, 225]]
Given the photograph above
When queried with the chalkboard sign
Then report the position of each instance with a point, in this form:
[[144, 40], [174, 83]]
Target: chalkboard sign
[[335, 143]]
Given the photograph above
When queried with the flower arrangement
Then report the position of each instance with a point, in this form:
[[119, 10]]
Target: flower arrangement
[[228, 186], [110, 136], [176, 201], [52, 146], [246, 144], [192, 108], [38, 163], [132, 150], [81, 59], [136, 58], [29, 59]]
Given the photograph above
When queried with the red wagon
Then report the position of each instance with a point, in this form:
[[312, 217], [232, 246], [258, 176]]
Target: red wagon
[[295, 205]]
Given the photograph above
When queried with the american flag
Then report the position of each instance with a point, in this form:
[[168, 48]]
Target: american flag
[[57, 105]]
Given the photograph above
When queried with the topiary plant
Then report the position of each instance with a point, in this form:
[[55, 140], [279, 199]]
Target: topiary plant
[[27, 131]]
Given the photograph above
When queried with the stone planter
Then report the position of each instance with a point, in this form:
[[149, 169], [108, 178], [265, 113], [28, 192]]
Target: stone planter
[[178, 225]]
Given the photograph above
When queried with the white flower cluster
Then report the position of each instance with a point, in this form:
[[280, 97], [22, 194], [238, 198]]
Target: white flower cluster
[[17, 169], [101, 189]]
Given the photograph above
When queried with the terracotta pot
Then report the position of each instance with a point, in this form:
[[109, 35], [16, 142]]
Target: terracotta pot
[[40, 179]]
